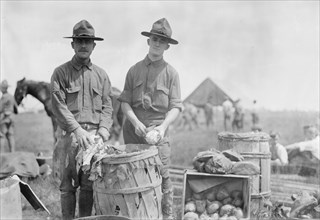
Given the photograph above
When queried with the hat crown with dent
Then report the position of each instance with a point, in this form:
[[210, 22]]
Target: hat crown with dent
[[84, 29], [161, 28]]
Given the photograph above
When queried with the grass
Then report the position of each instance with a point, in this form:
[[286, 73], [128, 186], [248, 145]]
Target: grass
[[33, 133]]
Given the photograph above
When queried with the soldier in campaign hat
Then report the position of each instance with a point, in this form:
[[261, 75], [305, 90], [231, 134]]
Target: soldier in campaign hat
[[151, 101], [82, 105], [8, 106]]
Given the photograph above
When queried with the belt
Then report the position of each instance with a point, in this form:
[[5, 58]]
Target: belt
[[88, 126]]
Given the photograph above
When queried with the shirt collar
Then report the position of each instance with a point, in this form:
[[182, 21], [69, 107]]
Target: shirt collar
[[78, 65], [156, 63]]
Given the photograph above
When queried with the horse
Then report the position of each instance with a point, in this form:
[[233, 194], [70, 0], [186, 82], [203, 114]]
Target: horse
[[41, 91]]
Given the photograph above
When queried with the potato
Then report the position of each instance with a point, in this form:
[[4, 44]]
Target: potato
[[213, 207], [200, 206], [215, 216], [211, 195], [222, 193], [236, 194], [197, 196], [237, 202], [227, 200]]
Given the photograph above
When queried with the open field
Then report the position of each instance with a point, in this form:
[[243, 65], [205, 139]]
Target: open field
[[34, 134]]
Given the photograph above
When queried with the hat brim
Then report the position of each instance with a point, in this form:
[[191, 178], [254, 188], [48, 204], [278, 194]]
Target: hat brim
[[170, 40], [87, 37]]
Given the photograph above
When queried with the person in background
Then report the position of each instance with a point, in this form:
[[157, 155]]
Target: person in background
[[8, 106], [81, 102], [254, 114], [151, 100], [238, 118], [308, 149], [227, 112], [279, 155]]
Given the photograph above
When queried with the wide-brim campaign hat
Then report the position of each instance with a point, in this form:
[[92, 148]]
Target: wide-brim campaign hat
[[84, 30], [161, 28]]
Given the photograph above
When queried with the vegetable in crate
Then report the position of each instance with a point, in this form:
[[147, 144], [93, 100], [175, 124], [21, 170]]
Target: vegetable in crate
[[211, 195], [226, 210], [215, 216], [227, 200], [200, 206], [190, 207], [213, 207], [222, 193], [191, 216]]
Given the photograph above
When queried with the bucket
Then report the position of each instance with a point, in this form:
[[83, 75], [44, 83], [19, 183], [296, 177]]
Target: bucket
[[254, 147], [131, 184]]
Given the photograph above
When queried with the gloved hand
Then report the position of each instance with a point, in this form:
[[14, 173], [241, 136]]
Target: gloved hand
[[104, 133], [83, 137]]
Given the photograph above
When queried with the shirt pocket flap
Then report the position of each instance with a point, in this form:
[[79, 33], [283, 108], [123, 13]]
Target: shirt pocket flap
[[96, 90], [73, 89], [163, 89], [137, 84]]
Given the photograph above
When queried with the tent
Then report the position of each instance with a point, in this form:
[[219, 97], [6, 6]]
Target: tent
[[207, 92]]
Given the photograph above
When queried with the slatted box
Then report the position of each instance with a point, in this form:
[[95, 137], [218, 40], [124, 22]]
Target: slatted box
[[196, 182]]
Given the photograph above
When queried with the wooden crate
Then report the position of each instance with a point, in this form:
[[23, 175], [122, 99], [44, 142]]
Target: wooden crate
[[194, 181]]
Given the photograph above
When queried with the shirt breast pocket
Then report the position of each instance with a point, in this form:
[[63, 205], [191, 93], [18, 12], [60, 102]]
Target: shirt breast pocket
[[72, 98], [97, 99], [137, 92], [161, 96]]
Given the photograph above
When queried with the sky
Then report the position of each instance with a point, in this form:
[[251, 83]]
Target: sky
[[253, 50]]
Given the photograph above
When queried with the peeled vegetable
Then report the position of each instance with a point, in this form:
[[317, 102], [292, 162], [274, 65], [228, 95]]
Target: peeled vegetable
[[191, 216], [190, 207], [153, 137]]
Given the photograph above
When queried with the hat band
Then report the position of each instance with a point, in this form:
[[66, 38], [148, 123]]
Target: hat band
[[160, 32]]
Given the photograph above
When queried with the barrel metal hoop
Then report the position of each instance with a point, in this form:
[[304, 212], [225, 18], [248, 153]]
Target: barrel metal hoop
[[128, 190]]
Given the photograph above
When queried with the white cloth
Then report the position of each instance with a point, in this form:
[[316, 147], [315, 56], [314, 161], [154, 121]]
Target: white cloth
[[279, 154], [311, 146]]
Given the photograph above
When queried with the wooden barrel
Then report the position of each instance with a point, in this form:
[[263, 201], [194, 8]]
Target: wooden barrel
[[254, 147], [131, 184]]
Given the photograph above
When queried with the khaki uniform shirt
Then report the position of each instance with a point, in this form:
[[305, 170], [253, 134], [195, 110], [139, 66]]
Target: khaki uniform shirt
[[81, 94], [152, 89]]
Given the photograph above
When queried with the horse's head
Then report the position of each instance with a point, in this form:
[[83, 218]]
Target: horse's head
[[21, 90]]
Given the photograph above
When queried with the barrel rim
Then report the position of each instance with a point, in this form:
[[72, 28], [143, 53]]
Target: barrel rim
[[129, 157], [247, 136]]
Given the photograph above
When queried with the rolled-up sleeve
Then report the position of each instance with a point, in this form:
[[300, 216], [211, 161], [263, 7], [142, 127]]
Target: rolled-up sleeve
[[106, 114], [64, 117]]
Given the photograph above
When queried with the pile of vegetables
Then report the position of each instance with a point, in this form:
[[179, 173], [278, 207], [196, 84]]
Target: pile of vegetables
[[213, 204]]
